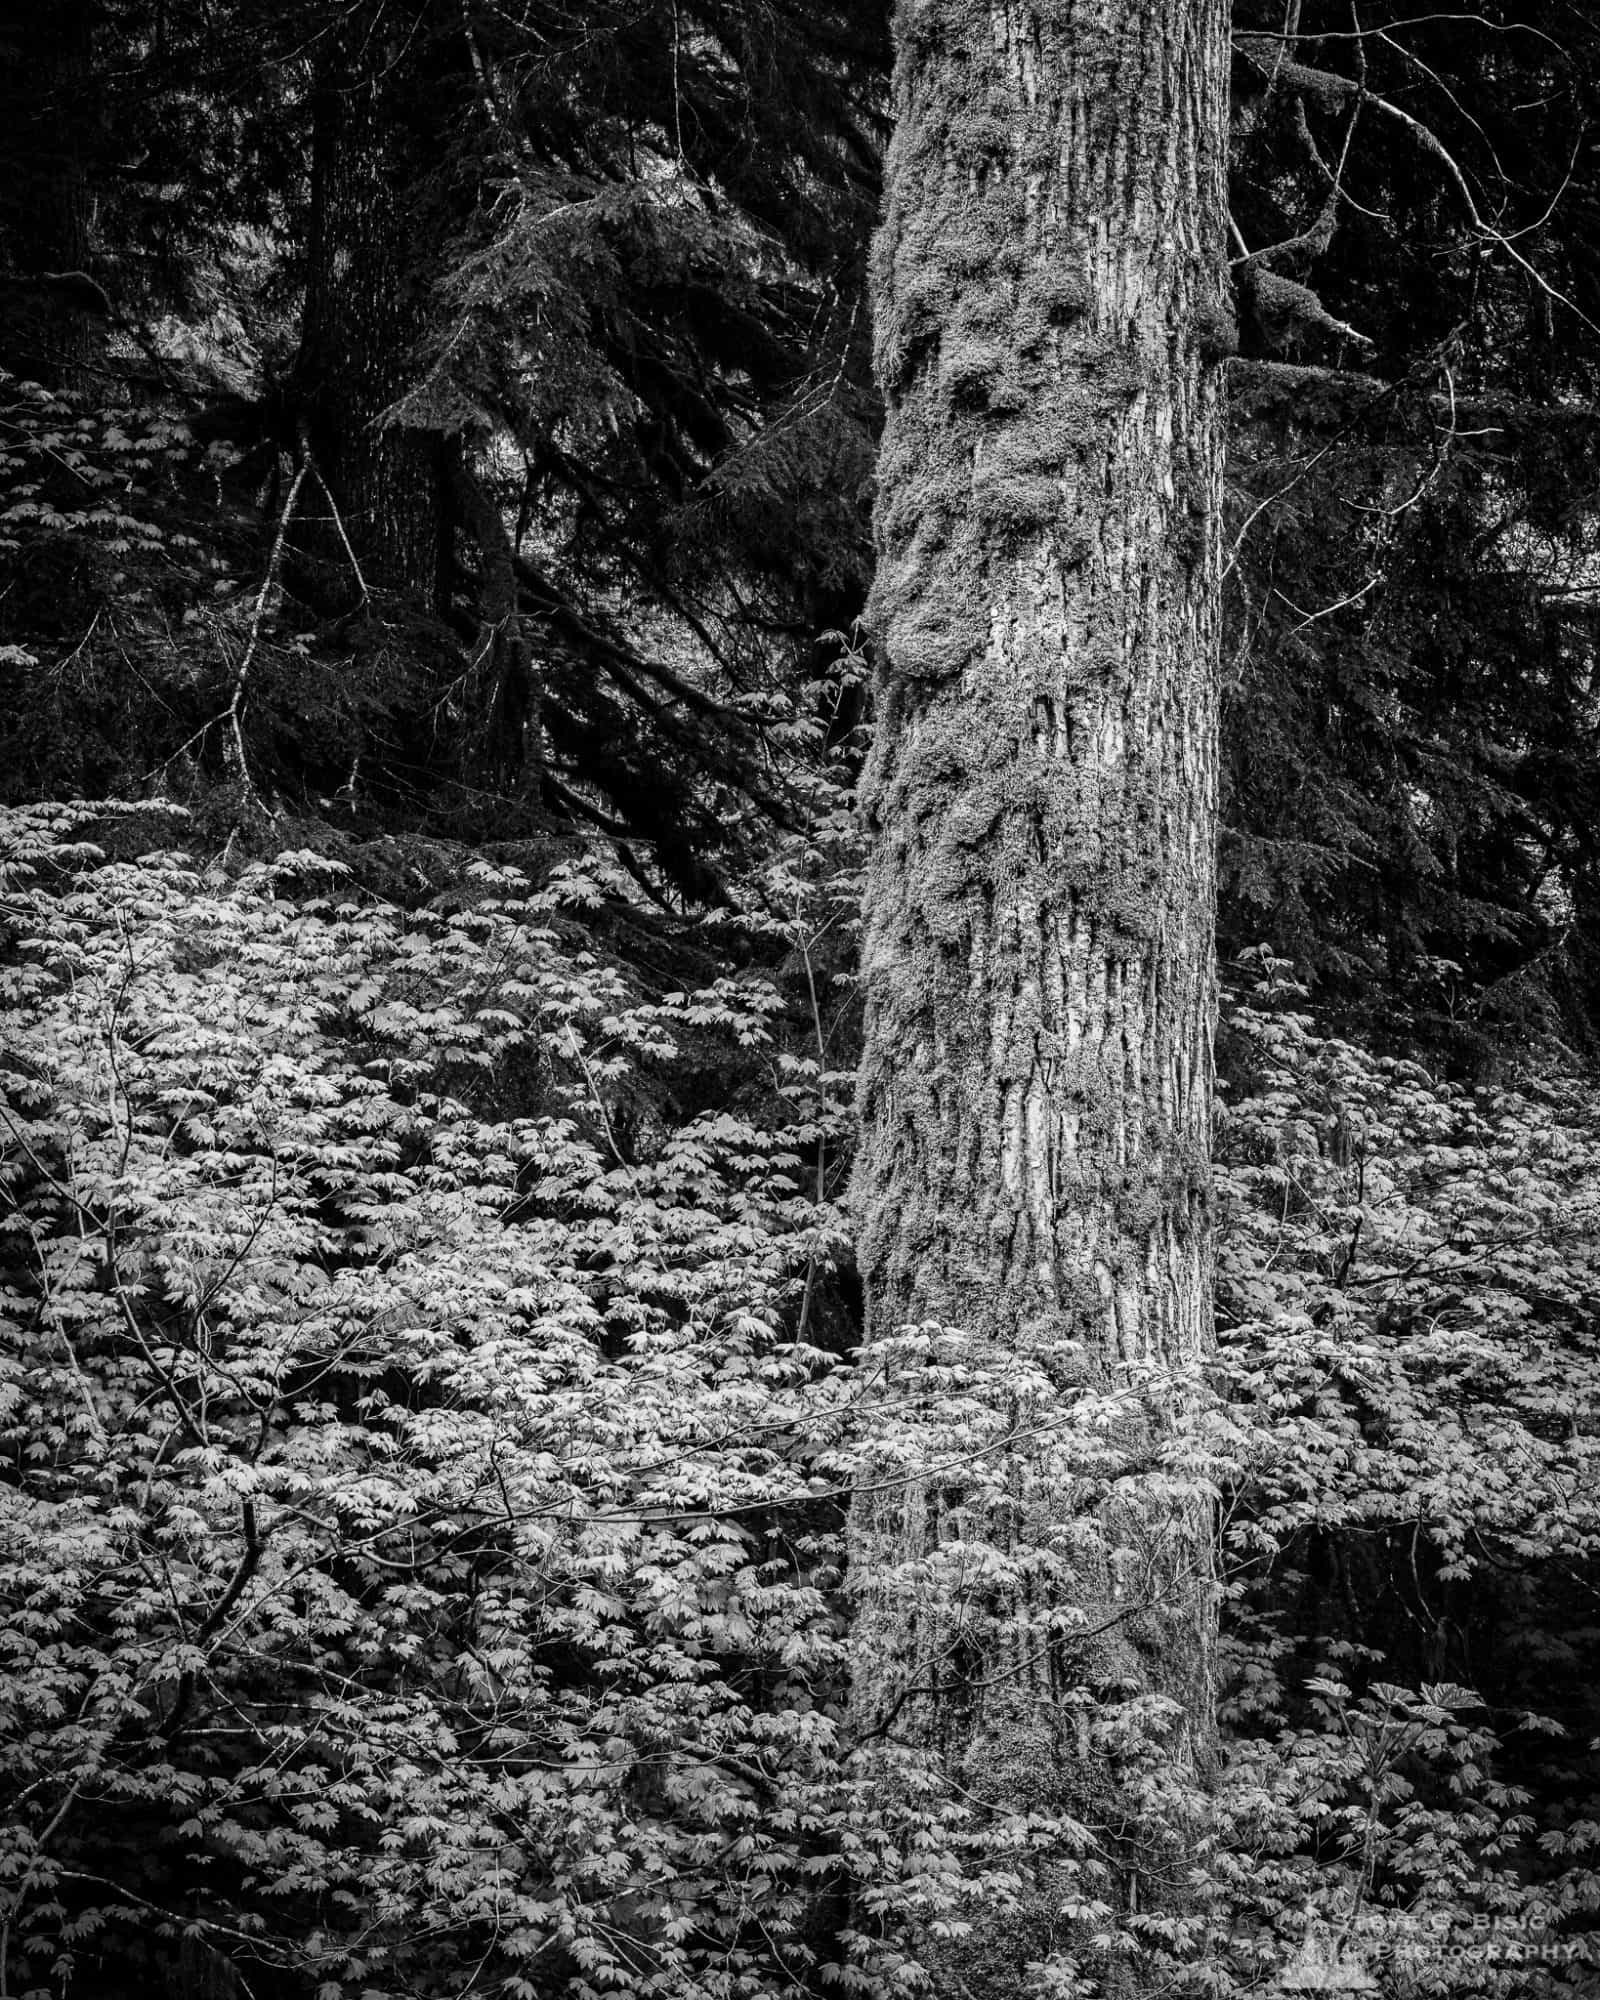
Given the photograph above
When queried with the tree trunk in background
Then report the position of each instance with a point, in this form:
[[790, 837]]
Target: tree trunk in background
[[1038, 929], [49, 332], [366, 294]]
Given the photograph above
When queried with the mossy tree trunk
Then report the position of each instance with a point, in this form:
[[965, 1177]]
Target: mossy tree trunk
[[1038, 929]]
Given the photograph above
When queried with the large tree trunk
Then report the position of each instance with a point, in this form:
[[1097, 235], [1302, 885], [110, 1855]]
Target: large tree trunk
[[367, 273], [1038, 942], [52, 322]]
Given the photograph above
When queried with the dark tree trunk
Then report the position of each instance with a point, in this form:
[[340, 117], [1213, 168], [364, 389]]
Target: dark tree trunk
[[52, 319], [367, 275], [1038, 929]]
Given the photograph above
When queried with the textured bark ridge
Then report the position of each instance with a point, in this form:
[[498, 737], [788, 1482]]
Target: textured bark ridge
[[1036, 1088]]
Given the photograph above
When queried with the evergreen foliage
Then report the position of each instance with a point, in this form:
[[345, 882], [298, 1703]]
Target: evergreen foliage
[[602, 424], [1411, 805]]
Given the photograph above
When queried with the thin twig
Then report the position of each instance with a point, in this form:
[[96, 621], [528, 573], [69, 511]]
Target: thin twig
[[338, 522]]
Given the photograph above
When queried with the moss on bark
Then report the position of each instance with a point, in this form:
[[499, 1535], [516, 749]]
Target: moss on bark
[[1037, 955]]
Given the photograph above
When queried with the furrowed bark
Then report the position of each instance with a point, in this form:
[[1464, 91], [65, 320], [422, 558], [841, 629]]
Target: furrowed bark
[[1035, 1096]]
